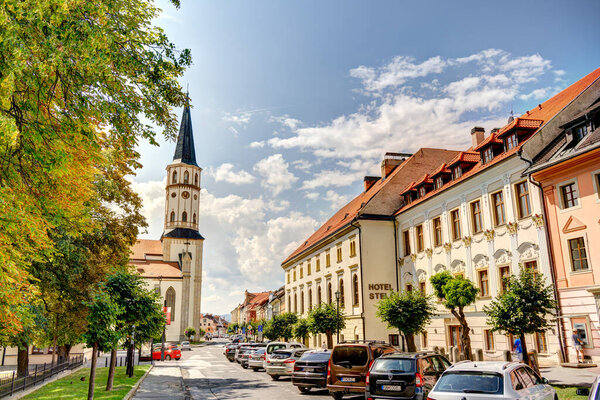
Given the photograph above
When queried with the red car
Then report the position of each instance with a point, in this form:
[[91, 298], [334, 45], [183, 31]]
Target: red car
[[171, 351]]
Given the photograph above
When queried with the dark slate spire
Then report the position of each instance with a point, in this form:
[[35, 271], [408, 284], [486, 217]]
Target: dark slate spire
[[185, 151]]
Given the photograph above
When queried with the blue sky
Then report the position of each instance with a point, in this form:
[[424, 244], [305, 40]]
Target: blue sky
[[295, 101]]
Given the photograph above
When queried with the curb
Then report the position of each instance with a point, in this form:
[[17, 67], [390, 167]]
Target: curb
[[135, 387]]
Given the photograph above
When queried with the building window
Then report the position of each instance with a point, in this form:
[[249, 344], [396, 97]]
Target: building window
[[437, 231], [329, 294], [318, 264], [353, 248], [355, 290], [424, 338], [308, 269], [580, 132], [484, 288], [423, 287], [294, 274], [541, 342], [523, 205], [196, 179], [186, 177], [439, 182], [489, 340], [532, 266], [194, 218], [455, 217], [422, 191], [597, 178], [172, 219], [342, 297], [170, 301], [339, 253], [409, 287], [406, 240], [456, 172], [174, 180], [327, 259], [319, 297], [511, 141], [476, 222], [578, 254], [309, 300], [184, 216], [419, 234], [488, 155], [498, 207], [569, 195], [302, 302], [301, 272], [504, 274], [288, 277], [295, 303]]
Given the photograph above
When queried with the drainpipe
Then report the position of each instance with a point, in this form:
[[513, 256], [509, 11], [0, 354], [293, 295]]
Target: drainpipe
[[559, 326], [362, 292], [396, 253]]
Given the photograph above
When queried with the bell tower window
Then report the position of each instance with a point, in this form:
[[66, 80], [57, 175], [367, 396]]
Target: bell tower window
[[172, 216], [174, 180], [186, 177], [184, 217], [196, 180], [194, 218]]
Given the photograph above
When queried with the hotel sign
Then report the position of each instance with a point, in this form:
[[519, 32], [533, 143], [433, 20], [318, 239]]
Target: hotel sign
[[378, 290]]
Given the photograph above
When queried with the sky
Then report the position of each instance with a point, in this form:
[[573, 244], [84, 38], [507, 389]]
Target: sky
[[294, 102]]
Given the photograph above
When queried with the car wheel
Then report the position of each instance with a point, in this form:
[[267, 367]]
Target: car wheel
[[245, 366], [168, 358], [230, 360], [337, 395], [303, 389], [275, 377], [255, 369]]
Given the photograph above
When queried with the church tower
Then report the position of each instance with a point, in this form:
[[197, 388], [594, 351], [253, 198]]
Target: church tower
[[181, 240]]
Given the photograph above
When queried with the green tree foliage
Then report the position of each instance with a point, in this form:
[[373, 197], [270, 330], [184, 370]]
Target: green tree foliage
[[327, 319], [523, 308], [302, 329], [34, 326], [232, 328], [189, 332], [269, 332], [282, 326], [408, 311], [456, 292]]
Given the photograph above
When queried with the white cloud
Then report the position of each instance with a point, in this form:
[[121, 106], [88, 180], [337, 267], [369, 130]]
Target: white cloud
[[303, 165], [234, 131], [241, 119], [286, 120], [337, 201], [312, 195], [330, 178], [257, 145], [153, 201], [276, 177], [225, 173], [535, 94]]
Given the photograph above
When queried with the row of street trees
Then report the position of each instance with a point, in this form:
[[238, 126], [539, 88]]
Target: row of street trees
[[81, 84], [523, 308]]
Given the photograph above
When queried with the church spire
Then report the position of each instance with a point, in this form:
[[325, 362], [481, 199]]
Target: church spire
[[185, 151]]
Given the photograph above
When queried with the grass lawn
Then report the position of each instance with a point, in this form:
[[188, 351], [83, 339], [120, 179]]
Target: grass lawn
[[71, 387], [568, 393]]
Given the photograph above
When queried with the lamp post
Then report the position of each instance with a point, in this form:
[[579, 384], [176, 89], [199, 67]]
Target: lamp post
[[337, 319]]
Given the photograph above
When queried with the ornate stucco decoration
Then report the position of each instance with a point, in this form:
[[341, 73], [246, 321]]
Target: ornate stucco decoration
[[467, 241], [413, 257], [457, 266], [480, 261], [512, 227], [538, 220], [401, 262], [489, 234], [502, 257], [447, 247], [429, 252]]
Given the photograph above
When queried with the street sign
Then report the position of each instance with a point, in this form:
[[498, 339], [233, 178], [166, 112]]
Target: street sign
[[260, 328]]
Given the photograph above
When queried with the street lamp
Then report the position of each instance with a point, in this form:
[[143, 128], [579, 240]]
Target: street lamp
[[337, 320]]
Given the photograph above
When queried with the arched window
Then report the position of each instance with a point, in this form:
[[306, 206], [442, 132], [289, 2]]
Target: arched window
[[174, 177], [309, 300], [355, 290], [342, 300], [184, 217], [196, 179], [319, 298], [194, 218], [329, 294], [170, 300], [302, 302], [295, 303], [289, 303], [186, 177], [172, 219]]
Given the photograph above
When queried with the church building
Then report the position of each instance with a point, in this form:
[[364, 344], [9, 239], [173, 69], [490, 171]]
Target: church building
[[173, 264]]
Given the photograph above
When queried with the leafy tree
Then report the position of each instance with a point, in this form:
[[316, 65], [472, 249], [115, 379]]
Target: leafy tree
[[408, 311], [326, 319], [34, 325], [282, 325], [201, 332], [101, 333], [456, 292], [269, 332], [523, 308], [189, 332], [302, 329], [232, 328]]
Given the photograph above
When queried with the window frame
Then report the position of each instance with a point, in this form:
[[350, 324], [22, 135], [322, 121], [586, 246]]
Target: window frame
[[487, 155], [355, 291], [498, 206], [438, 237], [488, 340], [511, 141], [353, 248], [476, 216], [586, 257], [318, 264], [519, 195], [406, 241], [419, 238], [537, 337], [338, 252], [456, 172], [423, 287], [439, 182], [455, 224], [503, 286], [483, 283], [563, 195]]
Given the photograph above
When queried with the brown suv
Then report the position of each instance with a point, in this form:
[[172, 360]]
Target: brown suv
[[349, 364]]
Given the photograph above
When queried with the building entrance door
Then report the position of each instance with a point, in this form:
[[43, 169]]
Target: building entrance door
[[454, 334]]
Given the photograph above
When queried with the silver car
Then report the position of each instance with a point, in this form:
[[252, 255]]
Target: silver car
[[281, 362], [491, 380], [256, 360], [185, 345]]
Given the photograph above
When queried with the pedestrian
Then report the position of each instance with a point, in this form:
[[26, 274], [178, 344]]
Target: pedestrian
[[578, 344], [518, 349], [324, 345]]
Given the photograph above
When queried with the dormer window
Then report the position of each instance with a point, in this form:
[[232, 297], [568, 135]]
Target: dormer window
[[580, 132], [407, 198], [511, 141], [439, 182], [456, 172], [488, 155], [422, 191]]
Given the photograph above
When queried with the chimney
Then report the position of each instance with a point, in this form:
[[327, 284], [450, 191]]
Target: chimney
[[370, 181], [391, 161], [477, 135]]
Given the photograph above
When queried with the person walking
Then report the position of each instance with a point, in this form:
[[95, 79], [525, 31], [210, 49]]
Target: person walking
[[518, 349], [324, 345], [578, 344]]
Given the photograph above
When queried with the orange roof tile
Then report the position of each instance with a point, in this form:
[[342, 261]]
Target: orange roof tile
[[424, 180], [526, 123], [543, 112], [156, 269], [411, 186], [492, 139], [146, 246], [442, 169], [465, 156]]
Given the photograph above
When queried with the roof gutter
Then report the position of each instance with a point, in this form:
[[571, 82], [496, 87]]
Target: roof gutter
[[362, 292], [558, 308]]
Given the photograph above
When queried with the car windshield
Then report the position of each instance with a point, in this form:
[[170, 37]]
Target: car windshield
[[471, 382], [394, 365], [274, 347], [321, 356], [355, 355], [280, 355]]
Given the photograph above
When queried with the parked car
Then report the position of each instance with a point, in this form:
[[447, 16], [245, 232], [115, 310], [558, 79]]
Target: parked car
[[349, 364], [310, 370], [481, 380], [256, 360], [244, 346], [171, 351], [591, 393], [230, 351], [272, 346], [185, 345], [404, 375], [281, 362], [245, 354]]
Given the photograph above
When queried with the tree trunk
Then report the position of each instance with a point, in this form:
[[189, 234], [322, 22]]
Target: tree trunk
[[524, 347], [93, 372], [329, 335], [68, 350], [111, 368], [132, 363], [54, 341], [410, 342], [22, 361], [465, 339]]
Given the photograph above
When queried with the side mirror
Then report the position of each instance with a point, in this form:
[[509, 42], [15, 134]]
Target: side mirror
[[582, 392], [519, 386], [545, 381]]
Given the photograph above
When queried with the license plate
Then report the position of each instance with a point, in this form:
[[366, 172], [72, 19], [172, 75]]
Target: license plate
[[307, 369], [348, 379], [392, 388], [277, 363]]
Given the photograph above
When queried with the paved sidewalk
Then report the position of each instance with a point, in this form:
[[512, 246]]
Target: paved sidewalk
[[163, 382], [583, 377]]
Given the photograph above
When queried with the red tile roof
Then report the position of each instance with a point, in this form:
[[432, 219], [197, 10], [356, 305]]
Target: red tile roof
[[492, 139], [520, 122], [145, 246], [465, 156], [543, 112], [155, 269], [442, 169], [411, 186], [424, 180]]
